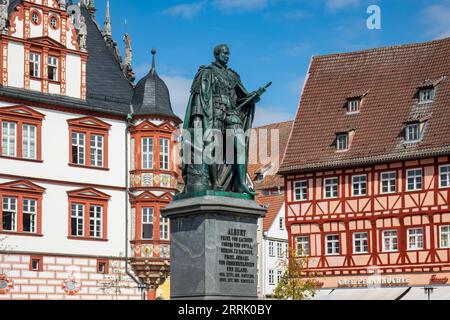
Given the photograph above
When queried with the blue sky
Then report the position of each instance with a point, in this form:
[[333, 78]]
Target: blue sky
[[270, 40]]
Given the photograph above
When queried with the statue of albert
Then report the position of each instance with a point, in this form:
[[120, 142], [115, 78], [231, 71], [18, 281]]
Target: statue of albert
[[219, 108]]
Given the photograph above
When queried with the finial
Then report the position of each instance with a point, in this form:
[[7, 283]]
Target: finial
[[92, 7], [108, 31], [153, 59]]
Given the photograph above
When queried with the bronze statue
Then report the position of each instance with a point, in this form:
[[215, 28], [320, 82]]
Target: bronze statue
[[219, 105]]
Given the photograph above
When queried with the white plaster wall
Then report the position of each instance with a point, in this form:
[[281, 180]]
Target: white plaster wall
[[54, 34], [37, 31], [16, 58], [73, 71], [55, 211], [54, 88], [275, 235], [55, 154], [274, 230], [38, 1], [35, 85]]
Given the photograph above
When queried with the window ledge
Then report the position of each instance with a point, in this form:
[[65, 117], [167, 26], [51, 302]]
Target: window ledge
[[54, 82], [87, 239], [24, 234], [87, 167], [21, 159]]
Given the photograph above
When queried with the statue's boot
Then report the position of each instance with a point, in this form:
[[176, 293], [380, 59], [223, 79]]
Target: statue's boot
[[243, 180], [215, 179]]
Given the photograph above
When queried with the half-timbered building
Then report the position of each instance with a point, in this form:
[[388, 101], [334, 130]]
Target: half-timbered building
[[367, 169]]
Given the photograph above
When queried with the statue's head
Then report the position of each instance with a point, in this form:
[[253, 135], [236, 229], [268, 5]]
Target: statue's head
[[222, 54]]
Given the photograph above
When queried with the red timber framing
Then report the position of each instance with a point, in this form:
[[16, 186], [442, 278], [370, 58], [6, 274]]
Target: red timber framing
[[147, 129], [86, 198], [89, 126], [22, 115], [21, 191], [149, 200], [44, 45], [427, 209]]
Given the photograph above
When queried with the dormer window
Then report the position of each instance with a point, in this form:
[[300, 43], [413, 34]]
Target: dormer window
[[413, 132], [426, 95], [259, 177], [342, 142], [353, 106]]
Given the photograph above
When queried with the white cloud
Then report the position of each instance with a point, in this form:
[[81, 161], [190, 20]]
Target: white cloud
[[334, 5], [179, 88], [187, 11], [266, 115], [437, 18], [241, 5]]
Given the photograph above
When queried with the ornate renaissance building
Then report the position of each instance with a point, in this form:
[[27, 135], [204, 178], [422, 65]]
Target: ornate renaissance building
[[367, 172], [86, 159]]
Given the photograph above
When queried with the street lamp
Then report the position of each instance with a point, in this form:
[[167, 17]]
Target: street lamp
[[428, 291]]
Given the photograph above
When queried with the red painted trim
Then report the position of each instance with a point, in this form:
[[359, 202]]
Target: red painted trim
[[22, 115], [33, 192], [88, 197], [39, 16], [89, 126], [63, 182], [106, 264], [40, 265]]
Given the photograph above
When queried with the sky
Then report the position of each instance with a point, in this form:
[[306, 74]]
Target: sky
[[269, 40]]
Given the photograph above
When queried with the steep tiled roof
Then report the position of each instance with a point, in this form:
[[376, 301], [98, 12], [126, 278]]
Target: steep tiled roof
[[274, 204], [390, 77], [271, 180]]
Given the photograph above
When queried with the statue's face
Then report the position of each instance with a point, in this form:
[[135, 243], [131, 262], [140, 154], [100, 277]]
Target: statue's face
[[224, 56]]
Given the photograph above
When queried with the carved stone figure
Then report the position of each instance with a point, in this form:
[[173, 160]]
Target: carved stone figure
[[4, 16], [62, 4], [82, 34], [128, 49], [219, 105]]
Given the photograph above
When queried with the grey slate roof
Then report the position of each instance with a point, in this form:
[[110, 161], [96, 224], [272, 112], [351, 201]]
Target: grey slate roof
[[107, 86], [151, 96]]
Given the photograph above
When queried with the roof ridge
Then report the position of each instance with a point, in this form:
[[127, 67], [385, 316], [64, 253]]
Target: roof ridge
[[384, 48], [273, 124]]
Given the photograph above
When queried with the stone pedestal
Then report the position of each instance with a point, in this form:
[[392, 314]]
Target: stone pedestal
[[214, 250]]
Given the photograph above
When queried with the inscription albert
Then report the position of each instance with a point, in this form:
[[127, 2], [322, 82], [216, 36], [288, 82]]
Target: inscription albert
[[236, 257]]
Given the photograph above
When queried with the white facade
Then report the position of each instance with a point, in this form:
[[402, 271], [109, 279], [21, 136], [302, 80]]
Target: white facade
[[274, 248]]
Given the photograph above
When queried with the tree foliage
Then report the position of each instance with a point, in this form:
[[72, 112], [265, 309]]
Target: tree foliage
[[295, 283]]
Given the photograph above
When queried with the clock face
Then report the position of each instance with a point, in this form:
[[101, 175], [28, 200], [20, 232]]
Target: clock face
[[3, 284]]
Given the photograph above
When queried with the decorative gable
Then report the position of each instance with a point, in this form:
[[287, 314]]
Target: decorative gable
[[21, 111], [46, 42], [89, 123], [88, 193], [147, 125], [147, 196], [22, 186]]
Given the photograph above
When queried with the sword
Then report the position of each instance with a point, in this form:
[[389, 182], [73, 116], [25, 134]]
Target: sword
[[253, 96]]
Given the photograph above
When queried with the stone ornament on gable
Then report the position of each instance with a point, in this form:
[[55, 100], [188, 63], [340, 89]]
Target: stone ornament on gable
[[4, 16], [62, 4], [82, 34]]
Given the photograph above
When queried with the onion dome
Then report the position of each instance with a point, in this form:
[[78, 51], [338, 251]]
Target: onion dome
[[151, 95]]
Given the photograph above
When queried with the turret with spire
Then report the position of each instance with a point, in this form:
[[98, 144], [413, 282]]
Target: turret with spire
[[151, 95]]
